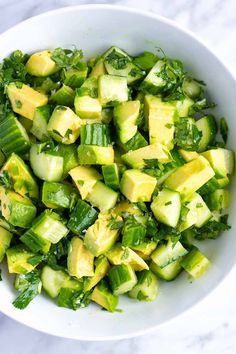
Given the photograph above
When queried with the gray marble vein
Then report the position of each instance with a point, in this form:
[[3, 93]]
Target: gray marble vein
[[210, 327]]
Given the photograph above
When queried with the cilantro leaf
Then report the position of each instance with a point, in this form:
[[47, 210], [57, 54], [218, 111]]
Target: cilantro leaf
[[117, 60], [187, 135], [65, 58], [212, 229], [6, 180], [31, 289]]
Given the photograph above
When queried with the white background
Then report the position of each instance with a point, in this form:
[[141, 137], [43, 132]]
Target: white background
[[209, 328]]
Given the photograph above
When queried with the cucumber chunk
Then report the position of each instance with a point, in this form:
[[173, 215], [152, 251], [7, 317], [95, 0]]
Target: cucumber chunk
[[146, 288], [195, 263], [53, 280], [167, 253], [122, 278]]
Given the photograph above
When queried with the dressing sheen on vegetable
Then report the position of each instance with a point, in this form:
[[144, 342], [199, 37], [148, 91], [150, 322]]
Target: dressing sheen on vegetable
[[111, 169]]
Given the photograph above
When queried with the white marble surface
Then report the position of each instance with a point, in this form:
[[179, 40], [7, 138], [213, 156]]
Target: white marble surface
[[210, 327]]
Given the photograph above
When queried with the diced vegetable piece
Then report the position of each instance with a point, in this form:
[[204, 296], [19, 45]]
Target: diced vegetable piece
[[188, 155], [136, 142], [101, 269], [47, 228], [17, 260], [137, 186], [64, 125], [169, 272], [117, 62], [146, 288], [41, 64], [160, 117], [40, 122], [190, 177], [73, 298], [146, 60], [145, 249], [98, 69], [218, 200], [122, 278], [95, 134], [195, 263], [17, 210], [208, 128], [69, 155], [74, 77], [56, 195], [85, 178], [166, 207], [112, 89], [80, 260], [153, 82], [23, 181], [139, 157], [46, 165], [95, 155], [125, 119], [103, 296], [111, 176], [133, 233], [124, 255], [24, 100], [53, 280], [102, 197], [183, 106], [100, 236], [221, 160], [5, 240], [196, 212], [82, 216], [167, 253], [64, 96], [13, 136]]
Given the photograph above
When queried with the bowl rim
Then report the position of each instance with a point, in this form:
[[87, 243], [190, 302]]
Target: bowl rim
[[187, 32]]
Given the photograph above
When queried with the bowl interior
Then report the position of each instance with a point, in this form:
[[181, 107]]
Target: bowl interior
[[94, 28]]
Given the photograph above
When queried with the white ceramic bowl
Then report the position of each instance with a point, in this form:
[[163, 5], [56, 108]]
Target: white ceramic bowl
[[94, 28]]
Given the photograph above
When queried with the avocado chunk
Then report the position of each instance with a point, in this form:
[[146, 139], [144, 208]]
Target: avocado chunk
[[64, 125], [5, 240], [197, 212], [100, 237], [41, 64], [53, 280], [102, 197], [17, 260], [146, 288], [125, 255], [118, 62], [24, 100], [58, 195], [17, 210], [80, 261], [84, 178], [125, 207], [221, 160], [166, 207], [137, 158], [112, 89], [190, 177], [64, 96], [98, 69], [160, 118], [125, 119], [103, 296], [195, 263], [101, 269], [188, 155], [137, 186], [145, 249], [23, 181], [95, 155]]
